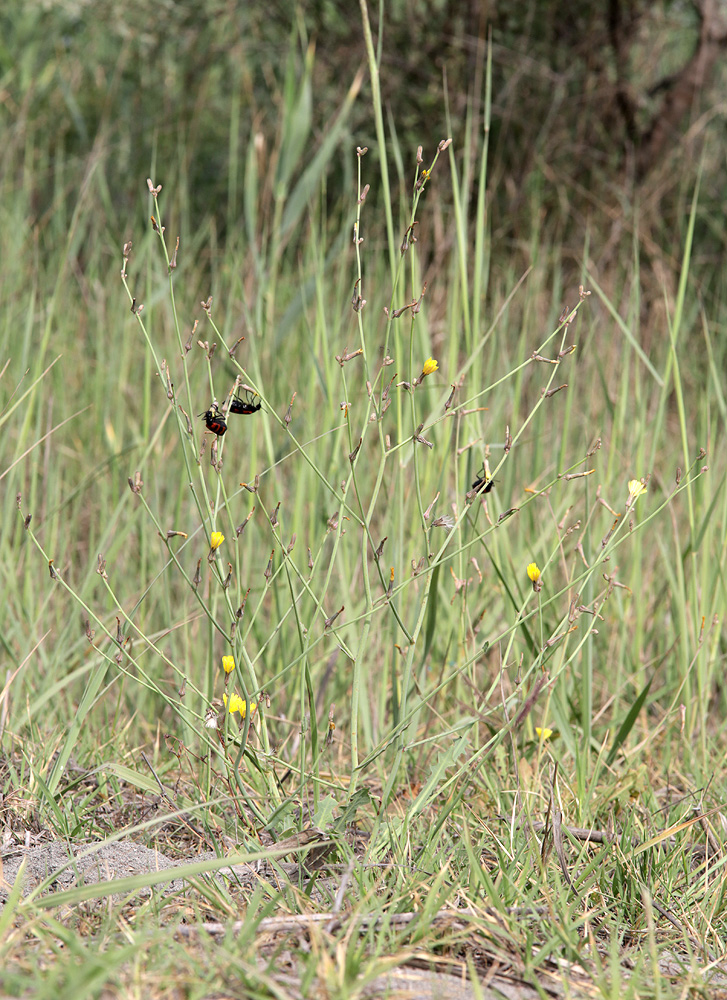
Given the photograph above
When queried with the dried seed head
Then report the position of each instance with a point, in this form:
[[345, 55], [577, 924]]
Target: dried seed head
[[594, 448], [443, 522], [508, 439], [418, 567], [416, 307], [289, 413], [269, 569], [241, 609], [241, 527], [409, 238], [356, 301], [188, 345], [186, 415], [428, 511], [329, 621], [101, 568]]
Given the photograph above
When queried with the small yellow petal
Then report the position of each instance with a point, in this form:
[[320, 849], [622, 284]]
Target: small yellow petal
[[533, 572], [430, 365], [216, 539], [544, 733], [636, 489], [238, 704], [228, 664]]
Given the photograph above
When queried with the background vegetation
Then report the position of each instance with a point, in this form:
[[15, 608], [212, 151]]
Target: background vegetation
[[403, 692]]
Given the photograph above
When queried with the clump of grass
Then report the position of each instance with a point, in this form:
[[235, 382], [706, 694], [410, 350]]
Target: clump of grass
[[405, 605]]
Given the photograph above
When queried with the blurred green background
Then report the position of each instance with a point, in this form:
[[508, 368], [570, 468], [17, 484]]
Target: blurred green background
[[95, 93]]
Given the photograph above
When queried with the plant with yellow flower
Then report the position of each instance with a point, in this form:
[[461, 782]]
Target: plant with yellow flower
[[637, 488], [430, 366], [238, 704]]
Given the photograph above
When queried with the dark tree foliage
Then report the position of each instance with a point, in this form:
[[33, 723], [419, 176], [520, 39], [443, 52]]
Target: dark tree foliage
[[592, 102]]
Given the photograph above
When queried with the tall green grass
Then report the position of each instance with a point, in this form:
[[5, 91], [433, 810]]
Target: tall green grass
[[402, 664]]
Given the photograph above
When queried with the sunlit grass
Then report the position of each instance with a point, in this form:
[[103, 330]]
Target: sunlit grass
[[345, 548]]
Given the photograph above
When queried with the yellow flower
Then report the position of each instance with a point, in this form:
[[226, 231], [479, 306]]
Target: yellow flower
[[533, 572], [636, 489], [543, 734], [228, 664], [238, 704], [216, 539], [430, 366]]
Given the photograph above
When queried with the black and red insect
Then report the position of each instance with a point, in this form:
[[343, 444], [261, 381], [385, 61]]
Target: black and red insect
[[238, 404], [482, 484], [215, 420]]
